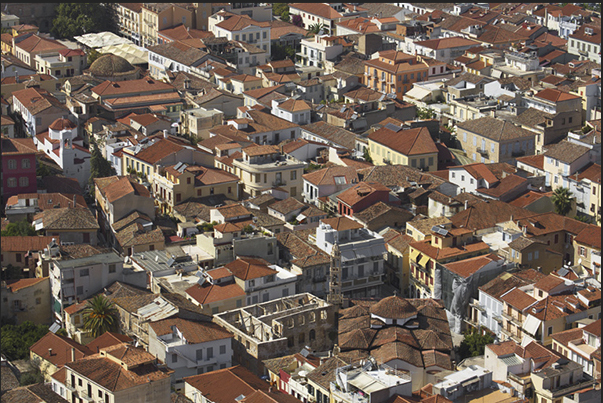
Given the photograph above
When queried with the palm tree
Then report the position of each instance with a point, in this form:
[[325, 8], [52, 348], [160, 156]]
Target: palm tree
[[315, 29], [562, 200], [100, 316]]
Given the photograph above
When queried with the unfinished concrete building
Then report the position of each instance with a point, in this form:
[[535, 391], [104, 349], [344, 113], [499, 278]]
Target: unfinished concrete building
[[279, 327]]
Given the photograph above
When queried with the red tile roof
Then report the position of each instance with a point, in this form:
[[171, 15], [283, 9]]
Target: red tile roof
[[518, 299], [208, 293], [193, 332], [239, 379], [408, 142], [468, 267], [358, 192], [16, 285], [26, 243], [553, 95], [247, 268], [60, 347]]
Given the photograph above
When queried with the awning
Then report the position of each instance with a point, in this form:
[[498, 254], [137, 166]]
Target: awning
[[469, 382], [413, 254], [418, 93], [423, 261], [531, 325]]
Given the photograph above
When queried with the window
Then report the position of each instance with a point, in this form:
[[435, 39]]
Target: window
[[174, 357], [38, 301], [25, 164], [199, 355], [84, 272], [12, 164], [80, 290], [222, 350], [23, 181], [293, 175], [453, 174], [111, 268], [210, 353], [549, 331]]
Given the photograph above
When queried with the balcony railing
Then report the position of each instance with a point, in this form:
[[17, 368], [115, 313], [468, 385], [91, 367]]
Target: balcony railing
[[482, 151]]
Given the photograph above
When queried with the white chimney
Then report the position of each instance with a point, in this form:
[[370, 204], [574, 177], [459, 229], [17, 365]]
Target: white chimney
[[165, 134]]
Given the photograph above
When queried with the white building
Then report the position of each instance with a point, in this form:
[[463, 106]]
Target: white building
[[586, 43], [362, 255], [318, 49], [66, 149], [240, 28], [77, 279], [292, 110], [190, 348]]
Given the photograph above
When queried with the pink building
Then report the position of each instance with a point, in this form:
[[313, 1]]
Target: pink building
[[18, 167]]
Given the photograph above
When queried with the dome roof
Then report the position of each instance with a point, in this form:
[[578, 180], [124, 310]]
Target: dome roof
[[110, 65], [62, 124], [394, 307]]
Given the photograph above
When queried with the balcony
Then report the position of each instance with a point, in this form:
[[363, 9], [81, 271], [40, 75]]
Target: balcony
[[563, 390], [482, 151], [69, 386], [516, 154], [278, 183], [475, 304], [517, 322]]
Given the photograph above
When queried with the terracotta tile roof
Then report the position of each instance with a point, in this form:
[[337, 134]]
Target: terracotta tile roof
[[240, 381], [337, 135], [140, 87], [61, 349], [158, 151], [591, 235], [130, 218], [180, 32], [467, 267], [303, 254], [233, 210], [360, 191], [356, 339], [480, 171], [193, 332], [16, 285], [38, 392], [341, 223], [594, 328], [319, 9], [108, 339], [112, 376], [26, 243], [556, 306], [295, 105], [504, 348], [247, 268], [135, 234], [581, 35], [495, 129], [447, 43], [360, 24], [398, 350], [436, 358], [37, 44], [546, 223], [77, 307], [67, 218], [566, 151], [518, 299], [446, 253], [592, 173], [208, 293], [536, 161], [393, 307], [487, 214], [553, 95], [548, 283], [120, 187], [325, 373], [408, 142], [36, 100], [508, 184]]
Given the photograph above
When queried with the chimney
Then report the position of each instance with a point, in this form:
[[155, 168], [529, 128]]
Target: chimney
[[74, 201], [165, 134], [72, 354], [50, 352], [524, 229], [493, 113], [466, 204], [511, 219]]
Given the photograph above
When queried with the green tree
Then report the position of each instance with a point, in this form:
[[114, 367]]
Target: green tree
[[367, 155], [279, 8], [315, 29], [99, 166], [16, 340], [473, 344], [425, 113], [43, 170], [11, 272], [279, 52], [93, 55], [74, 19], [100, 316], [21, 228], [562, 200]]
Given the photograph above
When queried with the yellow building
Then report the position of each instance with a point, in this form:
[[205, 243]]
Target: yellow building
[[155, 17], [413, 147], [27, 299], [491, 140], [261, 168], [185, 182], [587, 250], [394, 72], [445, 246]]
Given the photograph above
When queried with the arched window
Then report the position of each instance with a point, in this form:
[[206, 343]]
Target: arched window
[[302, 338], [312, 334]]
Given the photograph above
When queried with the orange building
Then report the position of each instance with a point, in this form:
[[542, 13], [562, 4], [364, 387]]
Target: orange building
[[394, 72]]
